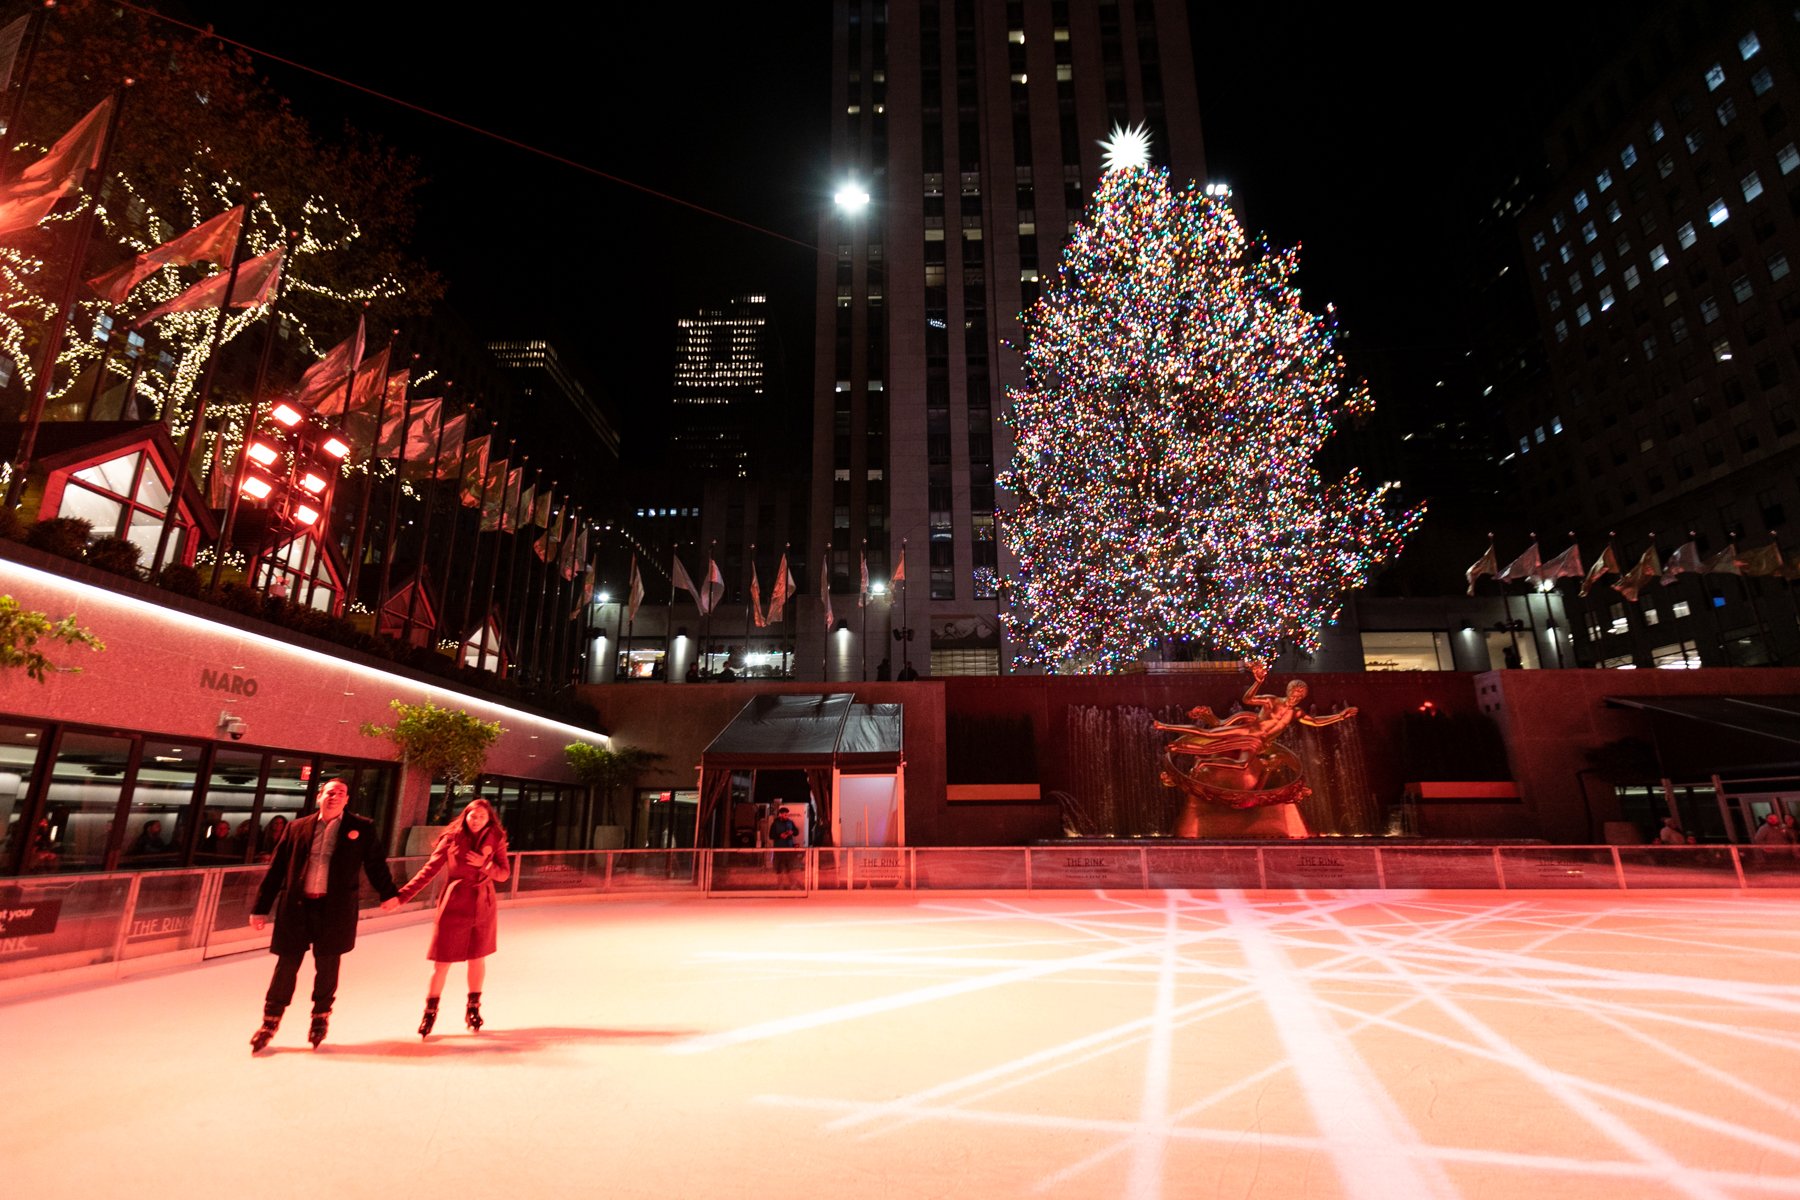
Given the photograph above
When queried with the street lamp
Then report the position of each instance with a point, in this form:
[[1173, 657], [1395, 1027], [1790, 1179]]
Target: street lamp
[[852, 197]]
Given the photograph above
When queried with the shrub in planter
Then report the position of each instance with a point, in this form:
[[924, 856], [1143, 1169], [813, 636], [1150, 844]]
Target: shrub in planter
[[115, 554], [63, 536], [12, 525], [181, 579]]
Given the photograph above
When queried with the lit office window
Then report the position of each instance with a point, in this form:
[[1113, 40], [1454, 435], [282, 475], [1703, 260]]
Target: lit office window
[[1628, 157], [1685, 235], [1788, 158], [1581, 201], [1717, 213], [1778, 266], [1748, 45], [1752, 185], [1659, 258], [1715, 78], [1631, 278], [1656, 131], [1762, 82], [1727, 111], [1740, 289]]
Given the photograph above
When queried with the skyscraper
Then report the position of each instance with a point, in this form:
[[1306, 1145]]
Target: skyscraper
[[1661, 257], [723, 392], [974, 129]]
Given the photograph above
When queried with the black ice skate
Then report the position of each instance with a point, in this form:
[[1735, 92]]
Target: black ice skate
[[260, 1039], [316, 1033], [430, 1017], [472, 1018]]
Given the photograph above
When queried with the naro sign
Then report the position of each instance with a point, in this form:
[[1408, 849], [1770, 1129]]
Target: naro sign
[[225, 681]]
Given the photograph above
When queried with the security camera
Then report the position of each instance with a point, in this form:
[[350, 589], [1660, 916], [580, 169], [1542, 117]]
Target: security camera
[[235, 726]]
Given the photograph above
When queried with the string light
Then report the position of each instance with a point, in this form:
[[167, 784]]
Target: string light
[[1176, 394]]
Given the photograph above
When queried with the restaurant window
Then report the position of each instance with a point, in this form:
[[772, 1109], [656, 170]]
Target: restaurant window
[[159, 818], [19, 747], [233, 786], [81, 805]]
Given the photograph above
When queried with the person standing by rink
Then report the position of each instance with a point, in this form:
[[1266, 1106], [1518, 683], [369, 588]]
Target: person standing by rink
[[312, 886], [472, 850]]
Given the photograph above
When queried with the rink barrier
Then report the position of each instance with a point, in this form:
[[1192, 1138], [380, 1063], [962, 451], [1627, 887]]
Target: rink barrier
[[66, 929]]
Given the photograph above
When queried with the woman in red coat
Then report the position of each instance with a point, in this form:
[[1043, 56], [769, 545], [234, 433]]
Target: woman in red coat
[[472, 853]]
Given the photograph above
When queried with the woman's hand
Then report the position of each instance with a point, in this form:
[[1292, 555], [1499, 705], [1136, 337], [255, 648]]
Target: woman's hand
[[475, 858]]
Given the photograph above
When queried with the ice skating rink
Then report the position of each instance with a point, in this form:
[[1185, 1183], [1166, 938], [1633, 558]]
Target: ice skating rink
[[1373, 1045]]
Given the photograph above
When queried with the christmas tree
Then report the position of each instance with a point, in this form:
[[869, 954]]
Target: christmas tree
[[1176, 393]]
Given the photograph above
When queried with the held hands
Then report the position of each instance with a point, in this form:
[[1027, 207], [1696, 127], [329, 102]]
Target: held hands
[[391, 903], [258, 921]]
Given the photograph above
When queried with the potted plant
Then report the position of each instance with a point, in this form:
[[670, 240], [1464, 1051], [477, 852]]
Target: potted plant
[[444, 743], [606, 769]]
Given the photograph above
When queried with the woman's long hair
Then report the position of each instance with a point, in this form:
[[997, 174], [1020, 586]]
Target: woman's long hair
[[459, 827]]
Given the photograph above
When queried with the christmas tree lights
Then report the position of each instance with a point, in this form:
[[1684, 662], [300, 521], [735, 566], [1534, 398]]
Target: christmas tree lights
[[1176, 393]]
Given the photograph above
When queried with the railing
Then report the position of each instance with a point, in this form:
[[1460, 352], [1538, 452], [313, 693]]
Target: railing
[[74, 926]]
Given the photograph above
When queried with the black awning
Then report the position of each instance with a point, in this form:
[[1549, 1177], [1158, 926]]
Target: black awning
[[784, 732], [1773, 717]]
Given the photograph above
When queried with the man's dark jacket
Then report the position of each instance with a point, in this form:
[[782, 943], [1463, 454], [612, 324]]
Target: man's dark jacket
[[357, 849]]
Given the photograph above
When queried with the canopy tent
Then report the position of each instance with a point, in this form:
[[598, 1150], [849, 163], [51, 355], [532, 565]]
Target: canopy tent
[[824, 735]]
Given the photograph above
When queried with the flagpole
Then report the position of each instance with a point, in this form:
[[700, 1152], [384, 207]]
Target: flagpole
[[561, 633], [368, 488], [100, 371], [863, 600], [669, 625], [751, 599], [549, 641], [18, 105], [514, 600], [630, 625], [462, 470], [825, 603], [428, 491], [468, 603], [494, 555], [84, 233], [391, 540], [905, 629], [529, 631], [257, 388], [200, 402], [509, 500]]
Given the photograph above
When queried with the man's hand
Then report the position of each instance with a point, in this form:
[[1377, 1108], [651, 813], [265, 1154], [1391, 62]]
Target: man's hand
[[391, 903], [257, 921]]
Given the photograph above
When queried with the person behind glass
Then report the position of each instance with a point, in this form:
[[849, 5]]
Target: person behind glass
[[313, 885], [471, 853], [271, 837], [1671, 834], [1772, 832], [786, 836], [149, 840]]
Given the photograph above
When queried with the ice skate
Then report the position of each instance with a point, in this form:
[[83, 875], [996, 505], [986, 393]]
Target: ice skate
[[316, 1033], [260, 1039], [430, 1017], [472, 1018]]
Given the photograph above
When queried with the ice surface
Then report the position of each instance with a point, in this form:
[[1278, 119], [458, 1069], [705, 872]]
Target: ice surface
[[1371, 1045]]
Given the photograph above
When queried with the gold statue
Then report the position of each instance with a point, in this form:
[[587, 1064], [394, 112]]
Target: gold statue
[[1236, 761]]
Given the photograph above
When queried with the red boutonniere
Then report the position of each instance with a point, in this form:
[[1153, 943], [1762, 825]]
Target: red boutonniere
[[354, 834]]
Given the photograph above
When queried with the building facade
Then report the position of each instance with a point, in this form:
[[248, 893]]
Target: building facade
[[1661, 257], [974, 129], [723, 392]]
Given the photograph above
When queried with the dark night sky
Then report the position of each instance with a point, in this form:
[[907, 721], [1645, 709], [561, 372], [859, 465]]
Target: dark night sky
[[1373, 141]]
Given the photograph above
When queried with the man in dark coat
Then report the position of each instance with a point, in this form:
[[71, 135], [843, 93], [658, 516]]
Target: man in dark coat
[[312, 886]]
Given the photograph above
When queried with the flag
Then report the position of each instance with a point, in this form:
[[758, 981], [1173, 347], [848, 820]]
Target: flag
[[213, 241], [587, 592], [518, 513], [449, 460], [545, 510], [1764, 561], [421, 431], [1566, 565], [218, 481], [756, 611], [1635, 580], [1523, 567], [364, 395], [474, 469], [1725, 562], [679, 577], [1487, 564], [574, 547], [546, 547], [900, 571], [715, 587], [29, 199], [1606, 564], [11, 38], [825, 588], [327, 376], [1686, 559], [635, 595], [862, 597], [255, 283], [492, 494], [784, 587]]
